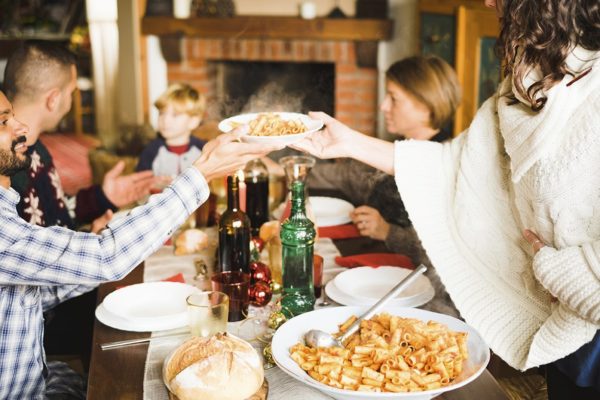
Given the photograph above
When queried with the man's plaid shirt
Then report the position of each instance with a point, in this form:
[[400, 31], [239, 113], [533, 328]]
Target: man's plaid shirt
[[40, 267]]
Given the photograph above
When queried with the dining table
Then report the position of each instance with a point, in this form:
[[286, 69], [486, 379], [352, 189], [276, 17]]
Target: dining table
[[118, 374]]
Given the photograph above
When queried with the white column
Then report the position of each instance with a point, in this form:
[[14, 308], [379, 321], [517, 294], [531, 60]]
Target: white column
[[403, 44], [104, 38]]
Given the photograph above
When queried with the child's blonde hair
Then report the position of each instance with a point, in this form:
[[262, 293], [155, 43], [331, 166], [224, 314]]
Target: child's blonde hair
[[183, 98]]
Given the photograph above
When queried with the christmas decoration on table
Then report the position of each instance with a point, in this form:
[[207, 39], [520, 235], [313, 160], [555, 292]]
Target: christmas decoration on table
[[260, 294], [260, 278], [268, 355], [259, 272], [276, 319]]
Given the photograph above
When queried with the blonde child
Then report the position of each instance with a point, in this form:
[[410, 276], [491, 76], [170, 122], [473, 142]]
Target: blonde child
[[180, 108]]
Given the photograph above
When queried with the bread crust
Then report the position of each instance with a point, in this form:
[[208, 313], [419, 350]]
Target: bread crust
[[222, 367]]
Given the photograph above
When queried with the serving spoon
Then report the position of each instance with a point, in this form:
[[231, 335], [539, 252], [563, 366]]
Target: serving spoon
[[317, 338]]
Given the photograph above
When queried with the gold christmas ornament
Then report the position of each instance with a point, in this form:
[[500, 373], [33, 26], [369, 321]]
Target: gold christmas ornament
[[268, 354], [276, 319]]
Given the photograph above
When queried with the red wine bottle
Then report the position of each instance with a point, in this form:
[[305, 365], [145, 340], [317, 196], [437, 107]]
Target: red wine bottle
[[234, 232]]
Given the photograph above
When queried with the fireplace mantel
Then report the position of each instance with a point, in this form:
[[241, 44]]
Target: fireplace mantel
[[268, 27]]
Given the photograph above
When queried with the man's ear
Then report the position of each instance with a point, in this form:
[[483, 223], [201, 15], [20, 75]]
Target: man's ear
[[52, 99], [194, 122]]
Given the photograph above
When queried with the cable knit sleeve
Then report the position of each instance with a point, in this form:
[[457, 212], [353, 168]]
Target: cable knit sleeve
[[572, 275]]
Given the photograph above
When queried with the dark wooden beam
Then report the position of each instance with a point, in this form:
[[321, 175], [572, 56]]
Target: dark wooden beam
[[263, 27]]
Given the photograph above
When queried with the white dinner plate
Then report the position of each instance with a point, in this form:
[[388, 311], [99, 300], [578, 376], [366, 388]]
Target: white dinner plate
[[371, 284], [348, 300], [330, 211], [150, 302], [151, 325], [328, 319], [312, 125]]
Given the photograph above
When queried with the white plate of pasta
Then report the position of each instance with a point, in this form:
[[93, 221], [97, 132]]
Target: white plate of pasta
[[414, 350], [273, 127]]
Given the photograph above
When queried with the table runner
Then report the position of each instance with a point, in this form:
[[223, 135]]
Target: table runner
[[163, 264]]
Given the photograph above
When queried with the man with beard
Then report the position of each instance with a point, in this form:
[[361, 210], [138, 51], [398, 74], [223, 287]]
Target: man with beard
[[39, 79], [40, 267]]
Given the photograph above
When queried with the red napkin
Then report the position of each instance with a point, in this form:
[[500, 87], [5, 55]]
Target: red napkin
[[175, 278], [375, 260], [346, 231]]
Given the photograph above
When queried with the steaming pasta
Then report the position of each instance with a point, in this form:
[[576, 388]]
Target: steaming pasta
[[269, 124], [388, 354]]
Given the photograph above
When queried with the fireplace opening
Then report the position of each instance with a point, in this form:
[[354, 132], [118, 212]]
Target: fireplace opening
[[243, 87]]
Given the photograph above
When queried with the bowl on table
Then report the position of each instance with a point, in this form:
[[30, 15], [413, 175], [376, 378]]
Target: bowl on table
[[328, 319]]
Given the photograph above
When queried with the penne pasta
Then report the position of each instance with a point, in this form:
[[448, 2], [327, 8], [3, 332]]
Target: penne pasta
[[388, 354]]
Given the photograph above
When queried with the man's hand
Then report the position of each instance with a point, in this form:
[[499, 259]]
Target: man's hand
[[370, 222], [100, 223], [123, 190], [226, 153]]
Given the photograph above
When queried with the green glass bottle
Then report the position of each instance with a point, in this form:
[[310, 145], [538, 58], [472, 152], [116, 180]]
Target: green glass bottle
[[297, 240]]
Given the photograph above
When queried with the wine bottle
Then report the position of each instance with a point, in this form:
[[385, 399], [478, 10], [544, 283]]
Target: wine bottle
[[256, 177], [234, 232], [297, 240]]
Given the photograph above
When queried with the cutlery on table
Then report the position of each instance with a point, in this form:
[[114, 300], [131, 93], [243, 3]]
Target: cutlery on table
[[132, 342]]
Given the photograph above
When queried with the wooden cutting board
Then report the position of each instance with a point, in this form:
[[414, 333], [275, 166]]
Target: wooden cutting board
[[261, 394]]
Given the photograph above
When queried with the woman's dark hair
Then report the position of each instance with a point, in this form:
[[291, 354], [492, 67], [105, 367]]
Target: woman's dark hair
[[541, 34]]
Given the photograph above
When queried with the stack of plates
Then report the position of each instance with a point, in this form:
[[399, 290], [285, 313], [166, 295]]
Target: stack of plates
[[364, 286], [153, 306]]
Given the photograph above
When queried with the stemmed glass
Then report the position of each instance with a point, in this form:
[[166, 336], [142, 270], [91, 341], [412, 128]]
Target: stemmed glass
[[296, 169]]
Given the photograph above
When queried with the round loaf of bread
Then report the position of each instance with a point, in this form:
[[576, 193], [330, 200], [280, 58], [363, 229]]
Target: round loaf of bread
[[222, 367]]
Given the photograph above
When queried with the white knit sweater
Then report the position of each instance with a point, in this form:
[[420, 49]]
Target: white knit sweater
[[470, 200]]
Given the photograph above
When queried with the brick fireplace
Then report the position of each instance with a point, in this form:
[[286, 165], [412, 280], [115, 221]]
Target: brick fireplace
[[355, 88]]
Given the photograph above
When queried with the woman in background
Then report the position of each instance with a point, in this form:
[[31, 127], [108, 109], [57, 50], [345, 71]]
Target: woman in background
[[422, 94]]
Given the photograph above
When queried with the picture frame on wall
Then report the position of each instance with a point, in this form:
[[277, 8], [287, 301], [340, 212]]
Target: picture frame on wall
[[477, 66]]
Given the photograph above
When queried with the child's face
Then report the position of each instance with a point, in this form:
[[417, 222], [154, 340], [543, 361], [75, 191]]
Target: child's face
[[174, 125]]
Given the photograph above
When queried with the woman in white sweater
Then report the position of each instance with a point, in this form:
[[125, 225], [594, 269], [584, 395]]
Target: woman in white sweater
[[528, 163]]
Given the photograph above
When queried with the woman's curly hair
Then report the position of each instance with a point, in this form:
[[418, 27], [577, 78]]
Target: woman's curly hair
[[542, 33]]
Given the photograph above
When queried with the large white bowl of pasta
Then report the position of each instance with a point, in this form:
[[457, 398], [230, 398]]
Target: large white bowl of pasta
[[403, 353], [282, 128]]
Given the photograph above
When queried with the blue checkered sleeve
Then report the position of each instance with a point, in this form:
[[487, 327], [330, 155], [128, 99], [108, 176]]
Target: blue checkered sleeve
[[33, 255]]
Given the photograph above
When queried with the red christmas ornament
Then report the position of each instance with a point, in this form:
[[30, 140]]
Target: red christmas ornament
[[259, 272], [260, 294], [257, 243]]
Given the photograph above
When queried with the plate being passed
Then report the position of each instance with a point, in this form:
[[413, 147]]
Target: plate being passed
[[151, 301], [312, 125], [330, 211]]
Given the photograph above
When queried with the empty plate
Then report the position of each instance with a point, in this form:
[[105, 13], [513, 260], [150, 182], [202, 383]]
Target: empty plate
[[366, 285], [150, 301], [329, 211], [145, 325]]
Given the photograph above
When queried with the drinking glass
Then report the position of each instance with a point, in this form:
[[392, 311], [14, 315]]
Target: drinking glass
[[317, 274], [234, 284], [207, 312]]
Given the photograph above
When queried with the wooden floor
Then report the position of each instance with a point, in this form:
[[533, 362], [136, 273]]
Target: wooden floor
[[70, 154]]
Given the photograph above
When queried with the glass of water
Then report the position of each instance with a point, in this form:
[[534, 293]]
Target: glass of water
[[208, 313]]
